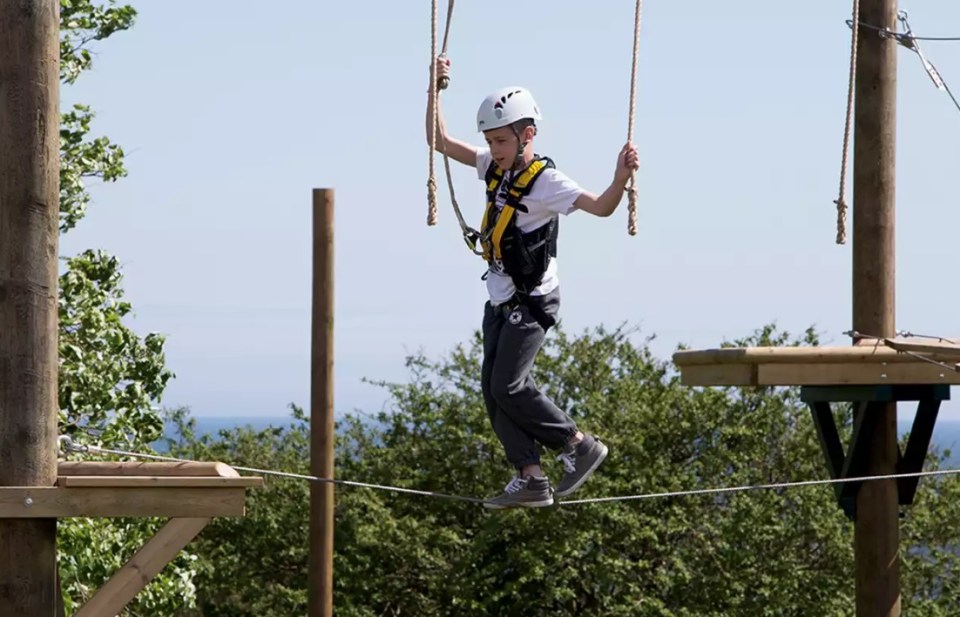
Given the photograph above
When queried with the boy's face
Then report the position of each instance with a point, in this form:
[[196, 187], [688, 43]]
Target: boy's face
[[503, 144]]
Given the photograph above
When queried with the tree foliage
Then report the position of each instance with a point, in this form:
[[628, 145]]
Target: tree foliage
[[110, 377], [83, 22], [83, 158], [750, 553], [756, 553]]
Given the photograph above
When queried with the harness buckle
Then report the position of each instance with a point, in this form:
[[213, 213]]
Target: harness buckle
[[471, 237]]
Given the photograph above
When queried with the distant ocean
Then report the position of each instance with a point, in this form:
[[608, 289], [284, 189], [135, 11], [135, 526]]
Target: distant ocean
[[946, 435], [212, 425], [215, 424]]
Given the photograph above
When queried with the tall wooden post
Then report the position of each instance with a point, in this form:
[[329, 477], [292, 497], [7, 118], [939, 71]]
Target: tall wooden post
[[877, 533], [321, 409], [29, 215]]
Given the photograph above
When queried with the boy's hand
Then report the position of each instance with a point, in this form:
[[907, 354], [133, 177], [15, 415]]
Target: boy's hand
[[627, 162], [443, 72]]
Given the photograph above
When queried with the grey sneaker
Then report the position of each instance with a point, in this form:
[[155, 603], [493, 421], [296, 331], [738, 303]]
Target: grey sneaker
[[579, 462], [528, 492]]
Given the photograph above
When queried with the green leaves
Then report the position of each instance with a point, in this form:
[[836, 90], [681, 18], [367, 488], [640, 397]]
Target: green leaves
[[254, 565], [109, 377], [752, 553], [81, 159], [755, 553], [91, 550], [81, 23]]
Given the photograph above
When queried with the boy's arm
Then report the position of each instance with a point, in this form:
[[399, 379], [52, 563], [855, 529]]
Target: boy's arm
[[459, 151], [603, 204], [606, 203]]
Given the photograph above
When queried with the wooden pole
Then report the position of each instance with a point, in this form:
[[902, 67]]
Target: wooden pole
[[876, 535], [29, 218], [321, 409]]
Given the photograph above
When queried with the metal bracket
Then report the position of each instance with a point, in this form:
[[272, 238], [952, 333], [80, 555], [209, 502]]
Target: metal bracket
[[867, 399]]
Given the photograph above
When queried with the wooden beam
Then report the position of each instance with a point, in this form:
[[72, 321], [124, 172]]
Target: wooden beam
[[805, 374], [719, 375], [854, 374], [940, 349], [322, 436], [877, 529], [29, 245], [826, 426], [875, 392], [132, 468], [858, 453], [58, 502], [159, 482], [808, 355], [61, 605], [129, 580], [916, 451]]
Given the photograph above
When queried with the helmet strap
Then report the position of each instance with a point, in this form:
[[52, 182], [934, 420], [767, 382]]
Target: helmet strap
[[521, 146]]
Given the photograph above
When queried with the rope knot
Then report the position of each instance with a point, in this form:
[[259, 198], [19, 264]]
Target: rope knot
[[848, 123], [841, 220], [432, 200]]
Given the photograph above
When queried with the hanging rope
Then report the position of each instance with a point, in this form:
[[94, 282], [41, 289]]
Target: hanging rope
[[470, 235], [446, 36], [432, 180], [632, 185], [840, 201]]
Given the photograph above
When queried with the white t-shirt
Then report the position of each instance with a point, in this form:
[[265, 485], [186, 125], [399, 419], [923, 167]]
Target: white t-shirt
[[553, 193]]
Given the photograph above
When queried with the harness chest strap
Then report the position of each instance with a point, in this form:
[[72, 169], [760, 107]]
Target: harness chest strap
[[517, 190]]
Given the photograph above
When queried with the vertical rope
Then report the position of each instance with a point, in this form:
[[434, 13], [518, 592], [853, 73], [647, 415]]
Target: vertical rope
[[632, 184], [432, 179], [840, 201]]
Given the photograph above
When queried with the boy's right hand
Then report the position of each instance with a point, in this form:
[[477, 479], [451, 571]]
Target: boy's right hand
[[443, 72]]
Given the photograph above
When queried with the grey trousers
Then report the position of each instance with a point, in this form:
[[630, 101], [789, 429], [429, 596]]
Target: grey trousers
[[521, 415]]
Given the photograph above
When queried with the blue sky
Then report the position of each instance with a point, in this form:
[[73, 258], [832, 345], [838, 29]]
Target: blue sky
[[231, 122]]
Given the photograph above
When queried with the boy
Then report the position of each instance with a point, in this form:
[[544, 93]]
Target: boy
[[525, 196]]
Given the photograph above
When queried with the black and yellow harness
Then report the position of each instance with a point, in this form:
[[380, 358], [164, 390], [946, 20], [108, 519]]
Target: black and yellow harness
[[525, 256]]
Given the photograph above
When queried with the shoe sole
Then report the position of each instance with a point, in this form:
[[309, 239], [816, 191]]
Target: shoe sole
[[589, 472], [543, 503]]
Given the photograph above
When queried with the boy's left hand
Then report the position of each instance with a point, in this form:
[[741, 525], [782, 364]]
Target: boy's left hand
[[627, 162]]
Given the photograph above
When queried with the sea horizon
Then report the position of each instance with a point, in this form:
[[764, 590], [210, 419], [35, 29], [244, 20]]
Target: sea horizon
[[946, 435]]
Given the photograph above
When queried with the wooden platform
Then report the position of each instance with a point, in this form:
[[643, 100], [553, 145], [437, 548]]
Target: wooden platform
[[867, 376], [108, 489], [887, 361], [189, 494]]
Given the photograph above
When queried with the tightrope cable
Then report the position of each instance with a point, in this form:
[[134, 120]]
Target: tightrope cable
[[899, 35], [917, 355], [908, 40], [756, 487], [68, 445]]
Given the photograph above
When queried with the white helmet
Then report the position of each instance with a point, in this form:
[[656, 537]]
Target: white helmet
[[506, 106]]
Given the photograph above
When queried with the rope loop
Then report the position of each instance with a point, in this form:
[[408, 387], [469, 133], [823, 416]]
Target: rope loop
[[841, 201], [632, 190]]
